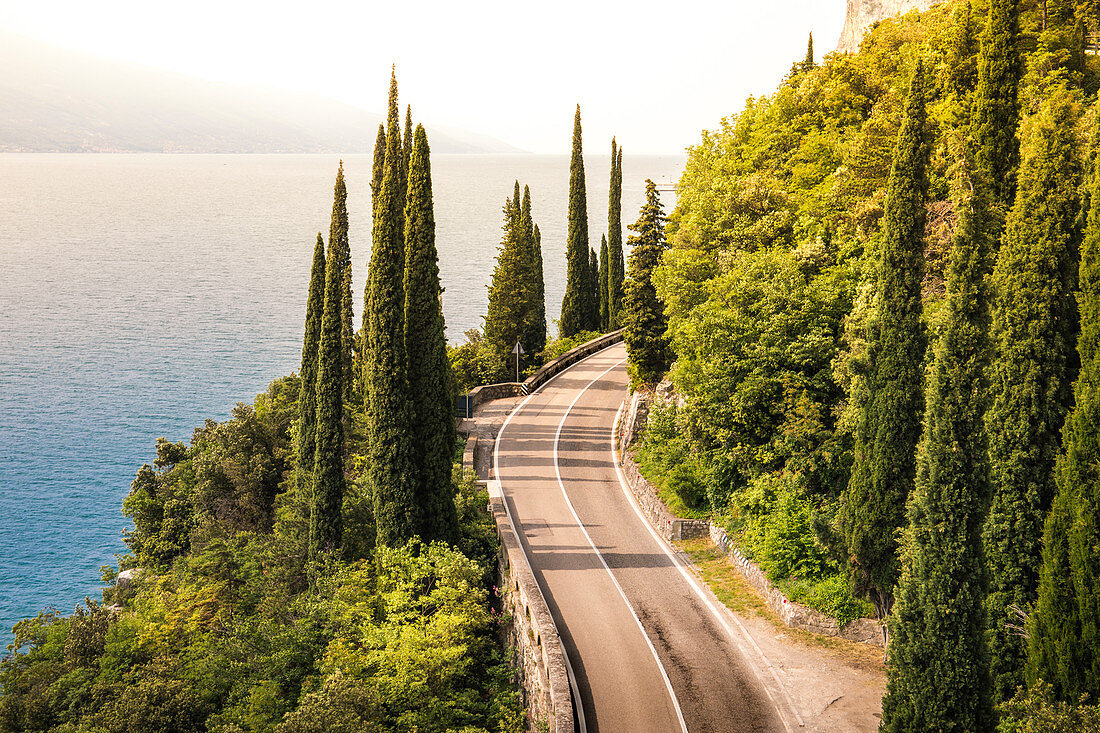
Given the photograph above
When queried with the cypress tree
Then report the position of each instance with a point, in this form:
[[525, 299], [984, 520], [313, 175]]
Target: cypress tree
[[510, 293], [575, 307], [1056, 653], [616, 271], [873, 503], [593, 291], [385, 362], [938, 670], [1064, 648], [538, 330], [433, 427], [325, 520], [996, 101], [1033, 330], [307, 395], [535, 339], [338, 242], [808, 62], [602, 286], [962, 69], [407, 145], [379, 165], [643, 314]]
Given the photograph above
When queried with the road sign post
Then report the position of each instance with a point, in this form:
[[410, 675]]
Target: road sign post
[[517, 351]]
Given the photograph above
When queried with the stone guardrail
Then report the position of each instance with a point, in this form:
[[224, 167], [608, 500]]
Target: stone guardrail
[[793, 615], [538, 654], [489, 392]]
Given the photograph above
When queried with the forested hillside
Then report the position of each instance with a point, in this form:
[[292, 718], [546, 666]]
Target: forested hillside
[[860, 267]]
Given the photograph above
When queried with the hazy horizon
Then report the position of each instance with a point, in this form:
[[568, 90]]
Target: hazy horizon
[[511, 72]]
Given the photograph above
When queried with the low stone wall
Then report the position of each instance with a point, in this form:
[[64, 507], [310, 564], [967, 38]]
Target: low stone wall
[[489, 392], [538, 657], [635, 419], [794, 615], [666, 523], [554, 367]]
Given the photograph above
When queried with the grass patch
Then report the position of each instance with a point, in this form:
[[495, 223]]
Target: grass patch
[[731, 588]]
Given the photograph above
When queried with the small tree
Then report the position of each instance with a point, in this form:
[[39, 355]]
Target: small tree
[[643, 314]]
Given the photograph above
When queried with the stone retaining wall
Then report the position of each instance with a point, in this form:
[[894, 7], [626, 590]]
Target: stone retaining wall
[[794, 615], [489, 392], [666, 523], [538, 657]]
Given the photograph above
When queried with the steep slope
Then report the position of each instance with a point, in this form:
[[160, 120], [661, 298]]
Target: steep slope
[[862, 13]]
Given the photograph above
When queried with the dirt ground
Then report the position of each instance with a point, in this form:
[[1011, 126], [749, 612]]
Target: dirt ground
[[822, 683]]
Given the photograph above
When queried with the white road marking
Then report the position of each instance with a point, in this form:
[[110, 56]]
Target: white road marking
[[690, 578], [578, 703]]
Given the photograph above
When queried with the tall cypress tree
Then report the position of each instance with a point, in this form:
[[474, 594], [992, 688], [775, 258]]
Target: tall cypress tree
[[808, 62], [511, 299], [1033, 330], [616, 269], [539, 320], [433, 427], [338, 242], [938, 673], [593, 291], [643, 314], [1064, 646], [378, 166], [407, 144], [325, 520], [873, 503], [385, 362], [534, 340], [602, 286], [996, 101], [307, 395], [575, 308]]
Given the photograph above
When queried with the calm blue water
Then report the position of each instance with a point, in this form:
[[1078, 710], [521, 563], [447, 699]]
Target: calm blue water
[[142, 294]]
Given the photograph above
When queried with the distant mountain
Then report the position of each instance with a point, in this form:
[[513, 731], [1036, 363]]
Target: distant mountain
[[52, 100]]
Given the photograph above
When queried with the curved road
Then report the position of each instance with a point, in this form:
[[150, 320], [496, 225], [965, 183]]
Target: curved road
[[648, 650]]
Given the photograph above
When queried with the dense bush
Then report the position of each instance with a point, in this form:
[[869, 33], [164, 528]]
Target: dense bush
[[226, 629]]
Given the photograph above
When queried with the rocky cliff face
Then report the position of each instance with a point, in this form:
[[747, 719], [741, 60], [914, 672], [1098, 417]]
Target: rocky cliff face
[[862, 13]]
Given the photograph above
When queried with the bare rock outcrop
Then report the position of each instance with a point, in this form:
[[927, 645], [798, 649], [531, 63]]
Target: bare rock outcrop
[[862, 13]]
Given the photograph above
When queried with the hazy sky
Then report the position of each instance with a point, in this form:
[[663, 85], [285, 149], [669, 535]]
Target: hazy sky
[[652, 73]]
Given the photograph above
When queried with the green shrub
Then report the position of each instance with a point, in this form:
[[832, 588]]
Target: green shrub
[[790, 547]]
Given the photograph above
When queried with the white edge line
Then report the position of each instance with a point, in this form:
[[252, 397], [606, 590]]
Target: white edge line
[[690, 578], [561, 485], [578, 705]]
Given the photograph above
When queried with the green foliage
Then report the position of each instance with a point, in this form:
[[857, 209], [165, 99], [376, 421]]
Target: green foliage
[[576, 306], [534, 339], [326, 508], [616, 266], [1064, 625], [388, 457], [514, 314], [643, 315], [1034, 324], [231, 636], [307, 400], [884, 465], [1039, 711], [432, 422], [666, 458], [996, 101], [340, 251], [602, 286], [938, 621], [474, 362]]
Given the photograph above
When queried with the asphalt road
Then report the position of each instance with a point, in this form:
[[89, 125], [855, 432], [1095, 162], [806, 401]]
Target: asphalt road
[[649, 652]]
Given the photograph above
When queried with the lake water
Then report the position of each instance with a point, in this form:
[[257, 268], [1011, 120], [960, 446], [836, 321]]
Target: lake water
[[142, 294]]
